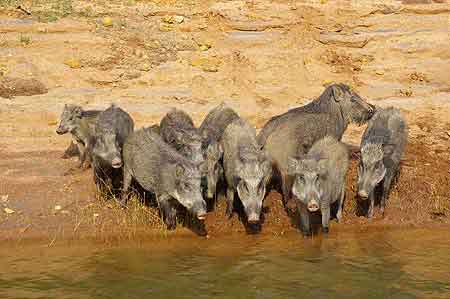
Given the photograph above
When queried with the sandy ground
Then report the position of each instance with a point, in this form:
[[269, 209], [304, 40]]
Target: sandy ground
[[260, 57]]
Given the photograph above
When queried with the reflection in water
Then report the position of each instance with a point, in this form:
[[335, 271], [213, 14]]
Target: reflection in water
[[386, 264]]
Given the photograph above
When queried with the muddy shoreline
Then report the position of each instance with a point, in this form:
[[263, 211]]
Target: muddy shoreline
[[260, 57]]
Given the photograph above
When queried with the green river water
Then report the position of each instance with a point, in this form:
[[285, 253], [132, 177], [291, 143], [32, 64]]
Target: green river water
[[380, 264]]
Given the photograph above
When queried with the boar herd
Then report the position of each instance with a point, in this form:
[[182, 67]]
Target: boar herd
[[298, 153]]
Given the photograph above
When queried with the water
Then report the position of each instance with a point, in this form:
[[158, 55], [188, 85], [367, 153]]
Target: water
[[382, 264]]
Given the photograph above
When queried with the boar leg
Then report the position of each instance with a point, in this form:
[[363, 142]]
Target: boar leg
[[325, 218], [82, 151], [285, 190], [87, 154], [127, 177], [340, 205], [305, 223], [169, 212], [371, 204], [230, 199], [72, 150], [386, 188]]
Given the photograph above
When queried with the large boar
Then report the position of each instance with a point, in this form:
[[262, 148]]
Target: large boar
[[177, 129], [319, 181], [111, 130], [382, 147], [160, 169], [295, 131], [247, 168], [80, 124], [211, 130]]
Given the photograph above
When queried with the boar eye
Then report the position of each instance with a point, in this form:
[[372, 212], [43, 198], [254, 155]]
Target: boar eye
[[301, 177]]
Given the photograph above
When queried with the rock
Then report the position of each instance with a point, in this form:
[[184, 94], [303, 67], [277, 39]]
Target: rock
[[57, 208], [73, 63], [406, 92], [343, 40], [173, 19], [204, 47], [327, 82], [107, 22], [11, 87], [207, 65], [210, 68], [448, 133], [9, 211], [165, 27], [178, 19], [379, 72], [4, 198], [145, 67]]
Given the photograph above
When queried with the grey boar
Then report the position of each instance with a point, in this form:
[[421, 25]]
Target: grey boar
[[295, 131], [111, 130], [247, 168], [382, 147], [211, 130], [160, 169], [319, 181], [216, 122], [177, 129], [80, 124]]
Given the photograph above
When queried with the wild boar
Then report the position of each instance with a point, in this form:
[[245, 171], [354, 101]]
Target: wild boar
[[295, 131], [80, 124], [319, 181], [111, 130], [247, 168], [178, 130], [162, 170], [382, 147], [211, 130]]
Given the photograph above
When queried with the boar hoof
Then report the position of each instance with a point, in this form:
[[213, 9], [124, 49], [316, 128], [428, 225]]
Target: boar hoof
[[307, 234], [325, 230], [171, 224]]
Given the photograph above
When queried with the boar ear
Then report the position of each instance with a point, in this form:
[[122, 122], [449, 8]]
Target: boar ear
[[78, 111], [322, 166], [388, 149], [179, 170], [203, 167], [337, 92], [239, 169], [177, 135], [267, 167], [380, 173], [205, 136], [293, 165], [214, 151]]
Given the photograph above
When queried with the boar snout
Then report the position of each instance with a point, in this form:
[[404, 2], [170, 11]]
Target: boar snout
[[253, 218], [116, 162], [313, 205], [363, 194], [201, 215], [60, 131], [199, 209]]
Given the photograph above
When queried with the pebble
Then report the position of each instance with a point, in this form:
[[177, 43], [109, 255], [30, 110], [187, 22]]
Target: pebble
[[9, 211], [73, 63], [173, 19], [107, 22]]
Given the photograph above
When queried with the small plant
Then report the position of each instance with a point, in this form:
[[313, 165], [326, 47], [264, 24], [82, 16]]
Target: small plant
[[25, 39]]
